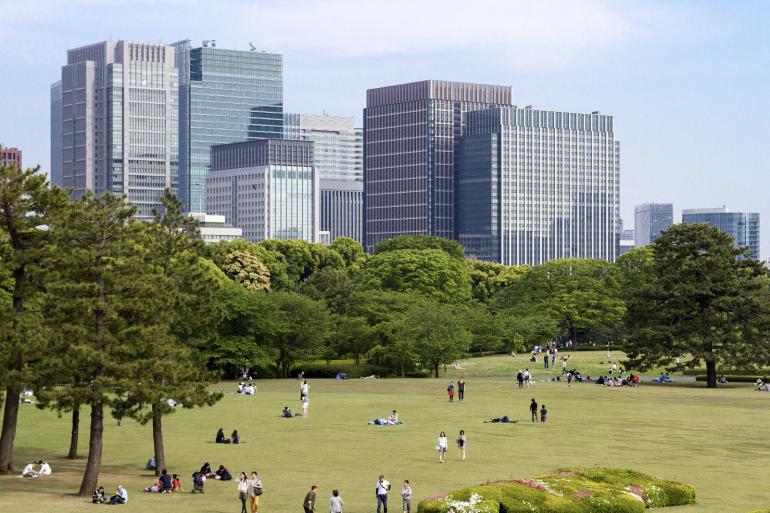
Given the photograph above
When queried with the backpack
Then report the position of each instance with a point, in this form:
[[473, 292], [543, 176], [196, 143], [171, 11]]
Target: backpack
[[198, 478]]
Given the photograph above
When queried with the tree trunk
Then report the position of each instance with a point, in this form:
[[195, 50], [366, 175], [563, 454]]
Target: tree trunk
[[711, 374], [95, 439], [73, 453], [435, 370], [8, 433], [157, 440], [573, 337]]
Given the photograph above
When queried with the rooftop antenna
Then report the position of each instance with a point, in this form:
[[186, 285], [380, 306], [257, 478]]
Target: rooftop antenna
[[206, 43], [252, 47]]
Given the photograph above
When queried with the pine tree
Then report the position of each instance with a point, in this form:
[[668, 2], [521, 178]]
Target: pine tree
[[26, 203]]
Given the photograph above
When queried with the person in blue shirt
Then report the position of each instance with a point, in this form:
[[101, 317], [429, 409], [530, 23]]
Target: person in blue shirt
[[120, 497]]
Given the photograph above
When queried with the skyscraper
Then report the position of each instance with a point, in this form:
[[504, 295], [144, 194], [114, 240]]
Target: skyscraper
[[626, 241], [410, 131], [119, 121], [56, 137], [534, 186], [650, 219], [741, 226], [266, 187], [225, 96], [338, 150]]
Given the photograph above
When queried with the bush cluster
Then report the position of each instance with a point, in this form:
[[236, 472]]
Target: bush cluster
[[589, 490]]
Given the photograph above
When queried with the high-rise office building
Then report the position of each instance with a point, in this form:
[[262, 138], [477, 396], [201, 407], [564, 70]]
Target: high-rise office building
[[534, 186], [410, 131], [650, 219], [338, 150], [741, 226], [266, 187], [10, 156], [626, 240], [56, 138], [225, 96], [119, 121]]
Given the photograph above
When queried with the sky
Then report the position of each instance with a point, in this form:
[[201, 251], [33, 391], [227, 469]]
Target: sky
[[688, 82]]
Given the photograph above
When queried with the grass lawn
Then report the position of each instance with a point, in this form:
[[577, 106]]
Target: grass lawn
[[715, 440]]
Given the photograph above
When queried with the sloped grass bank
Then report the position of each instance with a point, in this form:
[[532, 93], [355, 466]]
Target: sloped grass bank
[[584, 490]]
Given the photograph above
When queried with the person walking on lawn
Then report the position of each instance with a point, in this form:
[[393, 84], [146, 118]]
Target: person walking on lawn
[[533, 410]]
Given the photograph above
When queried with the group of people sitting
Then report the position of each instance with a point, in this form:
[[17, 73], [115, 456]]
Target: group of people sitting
[[30, 471], [390, 421], [205, 473], [246, 388], [663, 378], [165, 483], [235, 438], [762, 385], [632, 380], [119, 497]]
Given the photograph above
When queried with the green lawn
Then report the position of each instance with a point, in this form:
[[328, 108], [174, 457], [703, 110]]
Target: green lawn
[[715, 440], [589, 363]]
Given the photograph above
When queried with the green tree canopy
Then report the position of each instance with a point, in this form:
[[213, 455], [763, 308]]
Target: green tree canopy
[[303, 258], [351, 251], [246, 269], [704, 302], [489, 278], [273, 260], [430, 272], [452, 248]]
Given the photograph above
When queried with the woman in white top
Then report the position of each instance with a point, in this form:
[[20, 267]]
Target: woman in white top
[[45, 469], [243, 490], [255, 490], [441, 446]]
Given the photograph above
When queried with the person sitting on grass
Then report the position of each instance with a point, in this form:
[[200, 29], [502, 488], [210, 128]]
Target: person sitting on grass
[[199, 479], [157, 487], [722, 380], [45, 468], [220, 438], [206, 470], [29, 471], [165, 481], [120, 497], [286, 412], [663, 378], [98, 496], [223, 474], [176, 485], [235, 437], [393, 417], [150, 464]]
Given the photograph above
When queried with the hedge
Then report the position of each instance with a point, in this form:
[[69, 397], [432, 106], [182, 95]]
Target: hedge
[[583, 490], [743, 378]]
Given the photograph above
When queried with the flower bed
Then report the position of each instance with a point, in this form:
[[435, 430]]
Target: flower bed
[[586, 490]]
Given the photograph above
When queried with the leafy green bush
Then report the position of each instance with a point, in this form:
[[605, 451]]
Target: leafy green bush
[[589, 490]]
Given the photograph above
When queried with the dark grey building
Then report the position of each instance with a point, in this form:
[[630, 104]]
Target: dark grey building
[[650, 219], [410, 132], [342, 208], [56, 138], [119, 126], [225, 96], [267, 187], [534, 186], [743, 227]]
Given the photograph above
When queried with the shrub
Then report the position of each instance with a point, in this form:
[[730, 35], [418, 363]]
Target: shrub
[[590, 490]]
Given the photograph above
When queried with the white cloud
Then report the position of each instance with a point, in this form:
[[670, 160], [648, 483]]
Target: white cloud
[[541, 35]]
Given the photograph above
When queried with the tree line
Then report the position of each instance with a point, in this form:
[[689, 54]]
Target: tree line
[[135, 319]]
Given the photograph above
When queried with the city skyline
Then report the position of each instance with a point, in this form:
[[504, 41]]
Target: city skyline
[[689, 64]]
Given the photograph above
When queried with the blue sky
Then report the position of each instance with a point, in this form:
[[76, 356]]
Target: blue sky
[[687, 82]]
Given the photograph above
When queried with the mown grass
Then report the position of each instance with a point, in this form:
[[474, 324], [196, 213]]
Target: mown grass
[[715, 440]]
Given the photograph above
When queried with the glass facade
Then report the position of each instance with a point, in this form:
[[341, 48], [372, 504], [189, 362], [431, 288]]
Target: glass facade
[[338, 150], [410, 133], [534, 186], [741, 226], [119, 121], [56, 137], [225, 96], [650, 219], [268, 188]]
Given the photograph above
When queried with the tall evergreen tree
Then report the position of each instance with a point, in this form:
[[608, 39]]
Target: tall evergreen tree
[[105, 306], [26, 204], [703, 301], [174, 373]]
